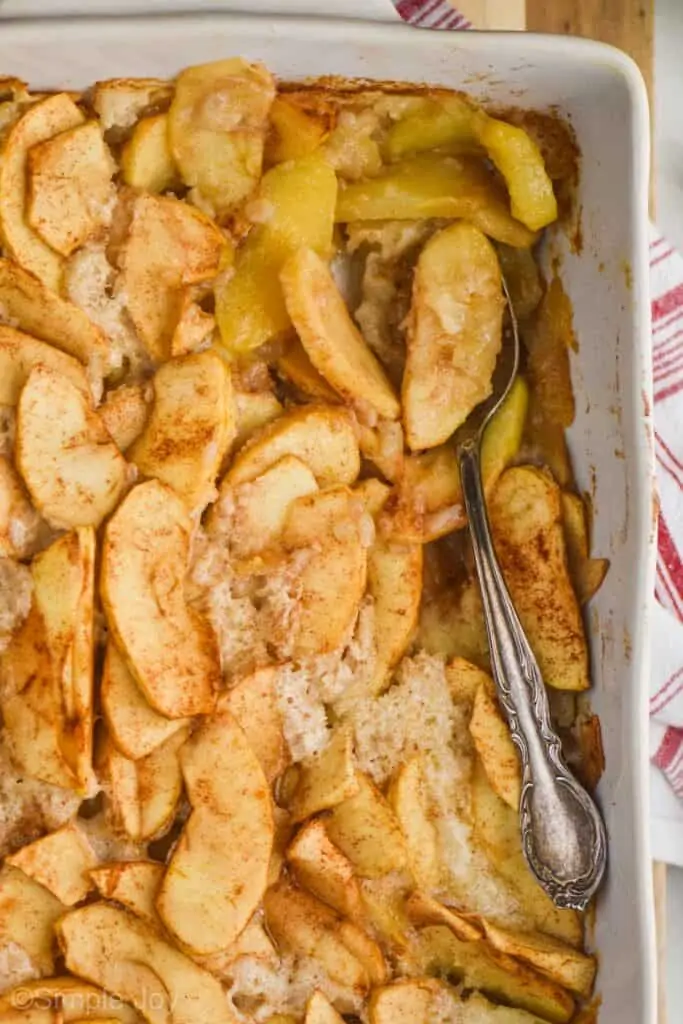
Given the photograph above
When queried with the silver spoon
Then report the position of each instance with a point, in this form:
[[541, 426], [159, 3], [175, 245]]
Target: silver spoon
[[563, 835]]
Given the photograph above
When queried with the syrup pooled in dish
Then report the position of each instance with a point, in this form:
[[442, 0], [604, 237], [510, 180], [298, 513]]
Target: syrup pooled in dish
[[253, 763]]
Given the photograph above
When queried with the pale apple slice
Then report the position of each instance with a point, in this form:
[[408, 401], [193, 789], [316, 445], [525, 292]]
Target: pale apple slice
[[409, 798], [300, 923], [319, 1010], [427, 502], [66, 999], [132, 883], [40, 312], [454, 334], [32, 733], [423, 910], [317, 865], [146, 161], [494, 745], [439, 951], [190, 427], [144, 794], [384, 905], [125, 412], [395, 583], [255, 409], [253, 944], [332, 582], [194, 328], [41, 121], [119, 102], [21, 528], [331, 339], [72, 469], [526, 519], [329, 527], [382, 444], [322, 516], [128, 958], [60, 862], [465, 680], [366, 950], [136, 728], [373, 493], [253, 704], [325, 779], [169, 648], [322, 437], [20, 354], [568, 967], [411, 1001], [295, 366], [218, 871], [49, 720], [217, 128], [587, 573], [70, 190], [365, 828], [425, 1000], [258, 508], [295, 204], [28, 913], [169, 244]]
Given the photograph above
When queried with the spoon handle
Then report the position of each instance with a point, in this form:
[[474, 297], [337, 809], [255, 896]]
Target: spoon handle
[[563, 836]]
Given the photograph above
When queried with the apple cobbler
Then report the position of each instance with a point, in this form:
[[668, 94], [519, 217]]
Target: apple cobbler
[[252, 764]]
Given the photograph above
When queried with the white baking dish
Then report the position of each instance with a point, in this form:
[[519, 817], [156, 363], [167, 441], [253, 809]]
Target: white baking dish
[[602, 94]]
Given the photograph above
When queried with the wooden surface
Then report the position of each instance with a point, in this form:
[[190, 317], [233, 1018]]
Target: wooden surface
[[659, 878], [496, 14], [627, 24]]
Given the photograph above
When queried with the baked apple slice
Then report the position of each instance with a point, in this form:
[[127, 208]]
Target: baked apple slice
[[20, 354], [217, 128], [41, 121], [257, 509], [454, 334], [146, 161], [526, 518], [327, 527], [132, 883], [169, 244], [128, 958], [322, 437], [144, 794], [170, 648], [218, 872], [70, 190], [72, 469], [190, 427], [253, 704], [319, 1010], [49, 666], [72, 996], [60, 862], [27, 916], [330, 337], [43, 314], [135, 727]]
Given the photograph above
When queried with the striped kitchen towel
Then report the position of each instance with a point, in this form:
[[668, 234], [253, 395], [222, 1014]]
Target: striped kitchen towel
[[666, 683]]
